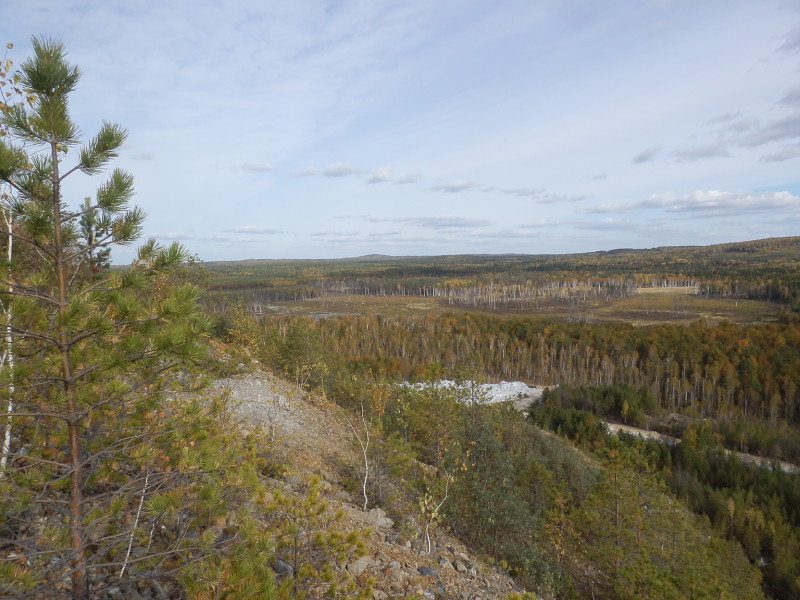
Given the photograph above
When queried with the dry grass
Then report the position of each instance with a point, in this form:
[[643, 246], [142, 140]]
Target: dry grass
[[672, 305]]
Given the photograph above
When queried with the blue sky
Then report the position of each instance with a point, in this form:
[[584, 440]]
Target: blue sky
[[314, 129]]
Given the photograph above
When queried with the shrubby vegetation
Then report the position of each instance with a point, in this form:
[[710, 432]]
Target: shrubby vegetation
[[755, 506], [110, 476]]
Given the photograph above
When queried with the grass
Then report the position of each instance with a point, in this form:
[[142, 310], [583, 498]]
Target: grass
[[641, 309]]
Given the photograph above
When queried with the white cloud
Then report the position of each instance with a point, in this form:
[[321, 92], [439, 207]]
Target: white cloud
[[785, 153], [445, 222], [341, 170], [523, 192], [689, 154], [258, 167], [559, 199], [647, 154], [305, 172], [382, 175], [711, 203], [792, 97], [405, 179], [454, 187], [791, 43], [786, 128], [254, 229]]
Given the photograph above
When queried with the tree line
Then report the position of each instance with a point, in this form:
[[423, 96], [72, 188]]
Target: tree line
[[762, 269], [727, 372]]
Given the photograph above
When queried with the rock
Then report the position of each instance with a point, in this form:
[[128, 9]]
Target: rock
[[445, 563], [379, 518], [428, 572], [131, 594], [379, 595], [460, 566], [358, 567], [382, 558], [343, 496], [159, 592], [115, 593], [281, 567], [294, 481], [394, 573]]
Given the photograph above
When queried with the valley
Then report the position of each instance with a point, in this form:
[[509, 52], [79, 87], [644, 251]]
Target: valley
[[700, 344]]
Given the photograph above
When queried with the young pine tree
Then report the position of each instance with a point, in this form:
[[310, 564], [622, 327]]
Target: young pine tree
[[92, 346]]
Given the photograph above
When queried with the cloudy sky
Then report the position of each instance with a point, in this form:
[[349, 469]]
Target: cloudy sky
[[322, 129]]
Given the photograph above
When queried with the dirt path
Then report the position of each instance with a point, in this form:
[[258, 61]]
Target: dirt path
[[667, 439]]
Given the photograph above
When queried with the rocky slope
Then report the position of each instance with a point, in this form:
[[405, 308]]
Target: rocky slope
[[317, 441]]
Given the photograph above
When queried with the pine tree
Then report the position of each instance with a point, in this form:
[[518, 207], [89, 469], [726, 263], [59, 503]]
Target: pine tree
[[92, 348]]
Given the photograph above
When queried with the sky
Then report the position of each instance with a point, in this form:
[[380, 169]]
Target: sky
[[339, 128]]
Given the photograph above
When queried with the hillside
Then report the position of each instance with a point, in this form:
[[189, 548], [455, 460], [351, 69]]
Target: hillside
[[316, 441]]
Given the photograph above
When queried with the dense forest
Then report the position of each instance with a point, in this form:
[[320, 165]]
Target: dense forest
[[735, 374]]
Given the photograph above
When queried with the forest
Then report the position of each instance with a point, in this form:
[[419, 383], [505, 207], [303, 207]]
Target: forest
[[123, 474], [761, 269], [717, 385]]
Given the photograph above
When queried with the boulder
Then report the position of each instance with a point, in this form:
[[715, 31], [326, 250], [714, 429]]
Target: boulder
[[358, 567], [379, 518], [428, 572], [281, 567]]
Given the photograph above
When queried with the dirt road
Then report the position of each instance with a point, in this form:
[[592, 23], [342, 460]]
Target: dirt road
[[667, 439]]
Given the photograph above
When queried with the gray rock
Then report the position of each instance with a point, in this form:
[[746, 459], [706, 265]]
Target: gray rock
[[379, 595], [382, 558], [445, 563], [115, 593], [358, 567], [394, 573], [281, 567], [379, 518], [428, 572], [132, 595], [294, 481], [460, 566], [158, 591]]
